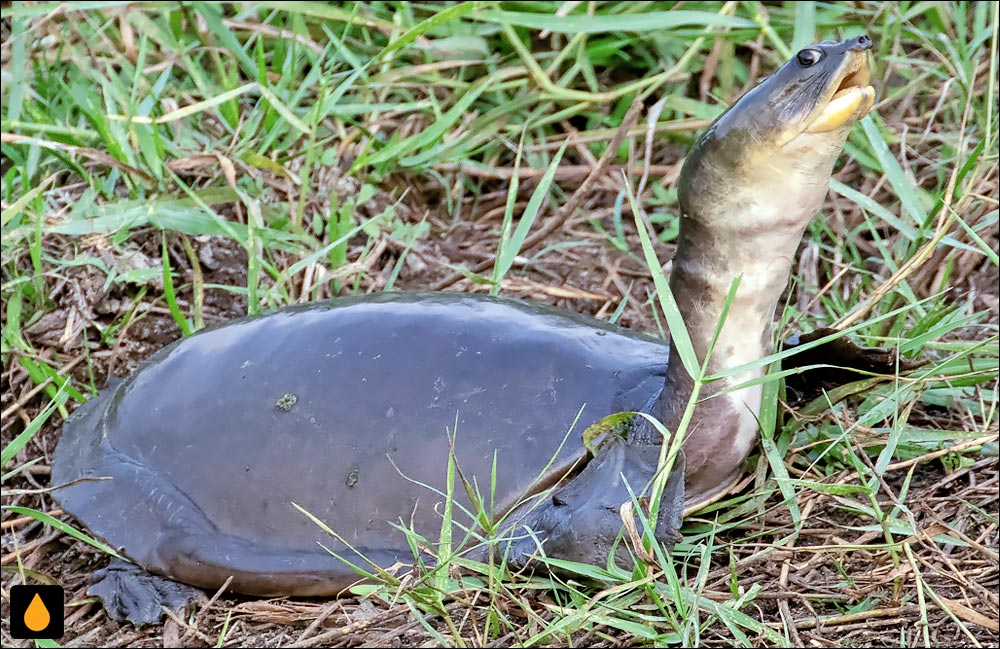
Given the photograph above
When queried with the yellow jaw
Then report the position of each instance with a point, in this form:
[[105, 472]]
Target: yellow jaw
[[851, 102]]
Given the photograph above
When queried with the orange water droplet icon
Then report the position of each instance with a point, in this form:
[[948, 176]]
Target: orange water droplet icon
[[37, 616]]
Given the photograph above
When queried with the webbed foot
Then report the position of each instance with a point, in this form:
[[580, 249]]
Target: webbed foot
[[847, 363], [132, 594], [583, 519]]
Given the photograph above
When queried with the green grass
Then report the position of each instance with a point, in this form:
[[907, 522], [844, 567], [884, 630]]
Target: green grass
[[322, 149]]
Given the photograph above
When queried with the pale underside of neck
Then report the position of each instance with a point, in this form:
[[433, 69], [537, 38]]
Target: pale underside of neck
[[725, 422]]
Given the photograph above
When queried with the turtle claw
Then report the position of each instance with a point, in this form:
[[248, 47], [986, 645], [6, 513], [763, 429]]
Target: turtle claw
[[130, 594]]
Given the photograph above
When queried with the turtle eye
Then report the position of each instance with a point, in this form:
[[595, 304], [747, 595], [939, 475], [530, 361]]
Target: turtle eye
[[809, 57]]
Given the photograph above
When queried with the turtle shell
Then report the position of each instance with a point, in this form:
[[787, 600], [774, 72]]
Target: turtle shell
[[199, 466]]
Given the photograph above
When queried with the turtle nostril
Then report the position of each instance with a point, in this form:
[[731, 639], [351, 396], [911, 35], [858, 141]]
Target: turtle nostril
[[558, 502], [863, 41]]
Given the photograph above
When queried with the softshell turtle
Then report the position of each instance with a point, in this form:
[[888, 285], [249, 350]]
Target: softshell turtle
[[193, 467]]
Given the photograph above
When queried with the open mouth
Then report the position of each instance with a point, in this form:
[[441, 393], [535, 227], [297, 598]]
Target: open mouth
[[852, 99]]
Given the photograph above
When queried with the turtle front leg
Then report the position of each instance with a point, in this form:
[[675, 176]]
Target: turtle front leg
[[582, 521], [132, 594]]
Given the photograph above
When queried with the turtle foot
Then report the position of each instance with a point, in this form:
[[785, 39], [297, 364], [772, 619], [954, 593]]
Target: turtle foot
[[584, 519], [841, 362], [132, 594]]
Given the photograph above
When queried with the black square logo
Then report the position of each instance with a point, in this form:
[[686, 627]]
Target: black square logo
[[36, 612]]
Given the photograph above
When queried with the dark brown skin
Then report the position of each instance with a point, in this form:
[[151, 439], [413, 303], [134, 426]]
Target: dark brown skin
[[214, 441], [835, 363]]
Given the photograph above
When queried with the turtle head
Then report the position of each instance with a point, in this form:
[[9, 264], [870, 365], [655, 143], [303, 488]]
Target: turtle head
[[777, 145], [582, 520]]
